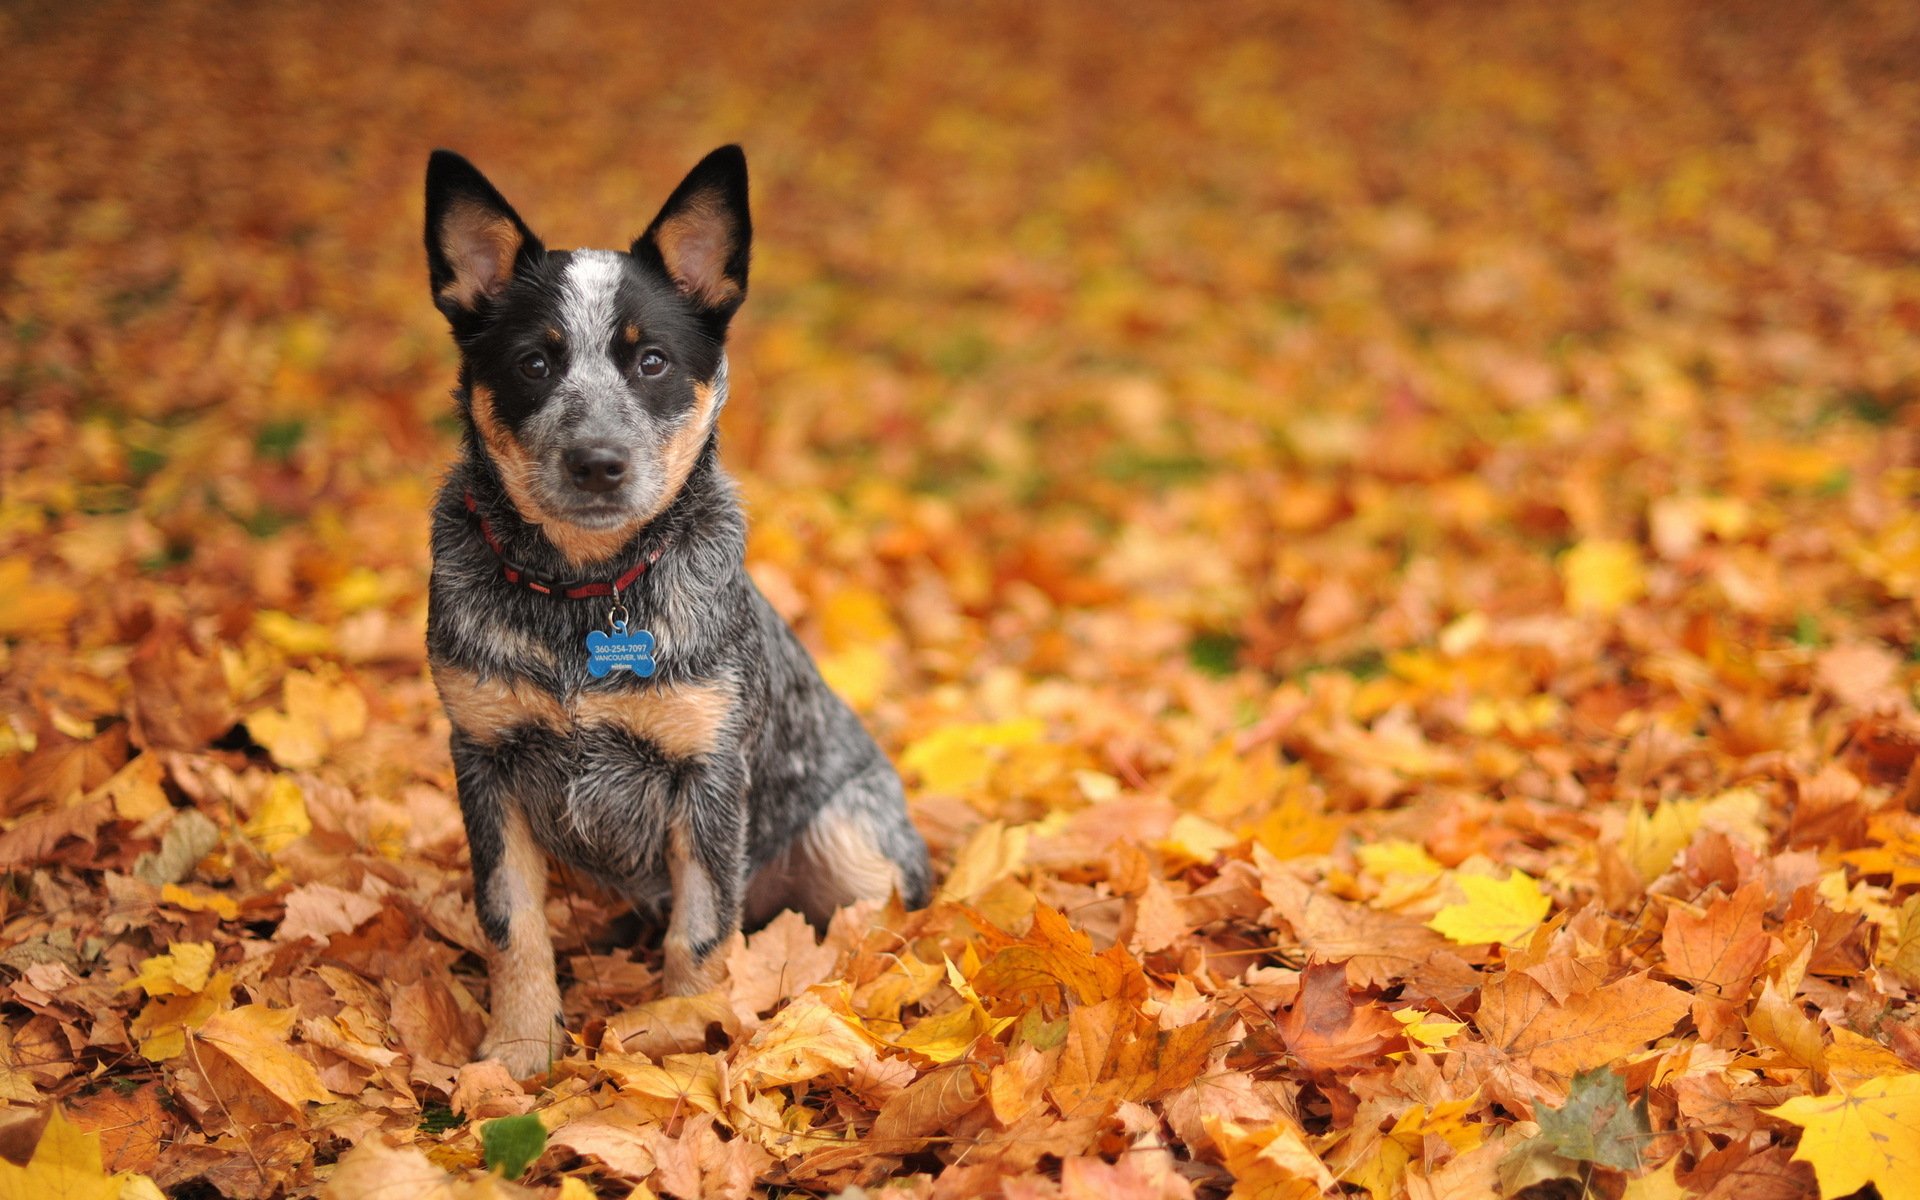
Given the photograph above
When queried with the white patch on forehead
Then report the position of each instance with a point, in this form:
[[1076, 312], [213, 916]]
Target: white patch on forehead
[[587, 299], [588, 315]]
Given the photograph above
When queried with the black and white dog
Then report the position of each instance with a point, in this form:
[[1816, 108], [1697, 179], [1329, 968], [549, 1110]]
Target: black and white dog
[[622, 697]]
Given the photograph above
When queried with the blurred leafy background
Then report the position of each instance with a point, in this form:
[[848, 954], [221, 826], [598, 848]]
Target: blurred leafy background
[[1244, 428]]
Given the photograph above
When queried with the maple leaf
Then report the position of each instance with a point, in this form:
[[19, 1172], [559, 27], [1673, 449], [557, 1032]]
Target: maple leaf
[[815, 1035], [1602, 576], [322, 711], [1722, 948], [1504, 911], [281, 816], [1272, 1162], [66, 1166], [1054, 963], [1868, 1135], [254, 1038], [993, 852], [958, 759], [1326, 1031], [1519, 1016], [946, 1036], [1597, 1124]]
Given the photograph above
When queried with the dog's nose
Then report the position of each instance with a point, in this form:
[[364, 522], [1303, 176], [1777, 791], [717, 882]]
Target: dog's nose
[[596, 468]]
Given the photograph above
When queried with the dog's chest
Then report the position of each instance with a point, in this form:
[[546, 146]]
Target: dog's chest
[[593, 761]]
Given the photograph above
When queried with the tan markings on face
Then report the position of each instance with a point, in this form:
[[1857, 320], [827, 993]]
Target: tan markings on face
[[695, 244], [631, 334], [487, 709], [480, 245], [578, 546], [695, 919], [682, 721], [554, 336], [684, 446], [522, 1030]]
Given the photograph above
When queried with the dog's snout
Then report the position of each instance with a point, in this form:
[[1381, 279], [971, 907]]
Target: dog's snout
[[596, 468]]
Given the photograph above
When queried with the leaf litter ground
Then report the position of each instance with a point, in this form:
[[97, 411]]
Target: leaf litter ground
[[1382, 538]]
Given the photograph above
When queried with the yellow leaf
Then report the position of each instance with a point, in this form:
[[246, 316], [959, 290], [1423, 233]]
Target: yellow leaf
[[1496, 911], [1870, 1134], [255, 1038], [198, 901], [1396, 859], [293, 635], [949, 1035], [163, 1024], [183, 970], [1854, 1059], [1903, 954], [1294, 828], [135, 789], [281, 817], [992, 853], [1197, 839], [1602, 576], [679, 1081], [859, 673], [960, 758], [811, 1037], [1657, 1185], [322, 711], [66, 1165], [1272, 1162], [1423, 1030], [855, 616], [31, 609]]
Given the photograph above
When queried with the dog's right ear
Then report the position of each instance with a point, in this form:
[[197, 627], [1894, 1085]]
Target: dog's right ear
[[475, 241]]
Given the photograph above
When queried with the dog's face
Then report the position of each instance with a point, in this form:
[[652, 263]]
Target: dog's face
[[593, 377]]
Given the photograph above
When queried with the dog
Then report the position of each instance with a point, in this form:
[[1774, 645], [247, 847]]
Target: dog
[[622, 697]]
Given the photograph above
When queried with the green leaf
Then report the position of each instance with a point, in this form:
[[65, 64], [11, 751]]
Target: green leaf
[[512, 1143], [1597, 1125]]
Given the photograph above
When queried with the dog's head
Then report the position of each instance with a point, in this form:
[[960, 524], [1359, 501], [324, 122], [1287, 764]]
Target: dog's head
[[593, 377]]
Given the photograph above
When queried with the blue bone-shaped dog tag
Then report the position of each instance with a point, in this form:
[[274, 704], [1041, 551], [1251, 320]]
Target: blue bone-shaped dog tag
[[612, 651]]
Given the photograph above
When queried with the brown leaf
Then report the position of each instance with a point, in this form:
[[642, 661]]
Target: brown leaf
[[1724, 947], [621, 1136], [1054, 961], [180, 699], [133, 1127], [1378, 948], [674, 1025], [1326, 1031], [254, 1038], [1519, 1017], [779, 961], [699, 1165], [928, 1106]]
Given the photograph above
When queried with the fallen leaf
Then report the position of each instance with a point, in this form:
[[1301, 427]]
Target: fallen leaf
[[1506, 911], [1869, 1135]]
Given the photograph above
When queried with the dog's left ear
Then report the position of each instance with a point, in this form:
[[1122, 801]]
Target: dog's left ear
[[703, 235]]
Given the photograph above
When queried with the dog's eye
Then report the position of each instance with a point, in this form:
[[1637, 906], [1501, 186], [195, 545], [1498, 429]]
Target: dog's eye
[[534, 366], [652, 362]]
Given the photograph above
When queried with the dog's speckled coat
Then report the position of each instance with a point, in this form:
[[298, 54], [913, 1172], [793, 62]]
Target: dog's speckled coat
[[730, 784]]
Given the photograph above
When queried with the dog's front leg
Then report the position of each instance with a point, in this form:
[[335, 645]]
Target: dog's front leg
[[707, 857], [510, 894]]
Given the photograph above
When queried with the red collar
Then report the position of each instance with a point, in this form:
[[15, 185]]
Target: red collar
[[571, 589]]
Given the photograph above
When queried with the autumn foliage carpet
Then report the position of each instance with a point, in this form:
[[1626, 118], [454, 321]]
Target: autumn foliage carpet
[[1381, 536]]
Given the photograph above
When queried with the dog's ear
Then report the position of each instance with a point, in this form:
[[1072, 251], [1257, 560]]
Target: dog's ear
[[475, 241], [703, 234]]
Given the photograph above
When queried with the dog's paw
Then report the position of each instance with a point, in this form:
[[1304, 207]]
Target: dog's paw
[[525, 1053]]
